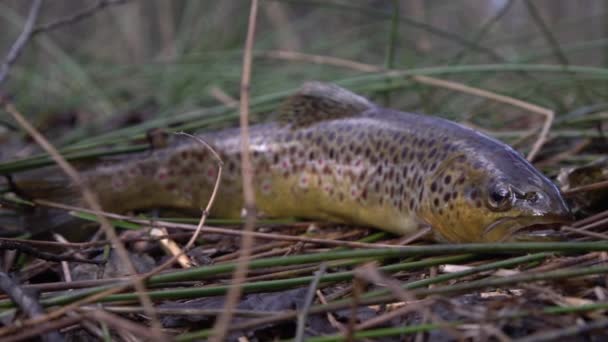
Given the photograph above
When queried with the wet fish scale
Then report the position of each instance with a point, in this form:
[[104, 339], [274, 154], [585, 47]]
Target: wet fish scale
[[336, 156]]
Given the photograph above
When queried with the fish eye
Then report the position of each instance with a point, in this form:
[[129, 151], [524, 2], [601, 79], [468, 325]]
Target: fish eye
[[500, 197]]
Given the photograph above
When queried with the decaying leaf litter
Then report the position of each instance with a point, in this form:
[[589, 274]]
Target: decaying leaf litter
[[502, 292]]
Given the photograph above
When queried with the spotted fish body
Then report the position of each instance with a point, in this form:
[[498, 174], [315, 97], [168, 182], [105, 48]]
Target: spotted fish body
[[336, 156]]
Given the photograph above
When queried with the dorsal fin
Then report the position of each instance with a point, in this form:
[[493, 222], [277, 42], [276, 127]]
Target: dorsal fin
[[317, 101]]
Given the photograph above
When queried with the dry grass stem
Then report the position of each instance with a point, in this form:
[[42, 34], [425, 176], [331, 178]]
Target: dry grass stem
[[226, 231], [234, 293], [224, 98], [587, 187]]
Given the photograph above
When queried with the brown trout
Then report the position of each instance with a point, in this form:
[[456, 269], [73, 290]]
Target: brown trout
[[336, 156]]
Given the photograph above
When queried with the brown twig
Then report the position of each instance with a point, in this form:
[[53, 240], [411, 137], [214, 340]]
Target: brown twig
[[91, 199], [205, 212], [39, 329], [26, 302], [327, 60], [221, 326], [587, 187], [119, 323], [27, 249]]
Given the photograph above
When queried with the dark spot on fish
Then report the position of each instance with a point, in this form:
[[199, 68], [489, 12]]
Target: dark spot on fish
[[433, 186], [308, 135], [331, 136], [331, 153], [473, 194], [275, 158], [460, 180], [420, 156], [404, 153], [478, 204], [412, 204], [433, 152], [446, 197], [368, 152], [447, 179]]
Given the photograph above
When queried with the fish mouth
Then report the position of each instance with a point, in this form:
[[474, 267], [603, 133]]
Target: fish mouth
[[534, 228]]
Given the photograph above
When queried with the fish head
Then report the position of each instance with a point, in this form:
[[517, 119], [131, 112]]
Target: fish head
[[491, 198]]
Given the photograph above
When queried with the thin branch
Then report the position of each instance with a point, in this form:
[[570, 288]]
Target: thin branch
[[27, 249], [310, 296], [586, 187], [26, 302], [206, 210], [234, 293], [19, 44], [30, 31], [78, 16]]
